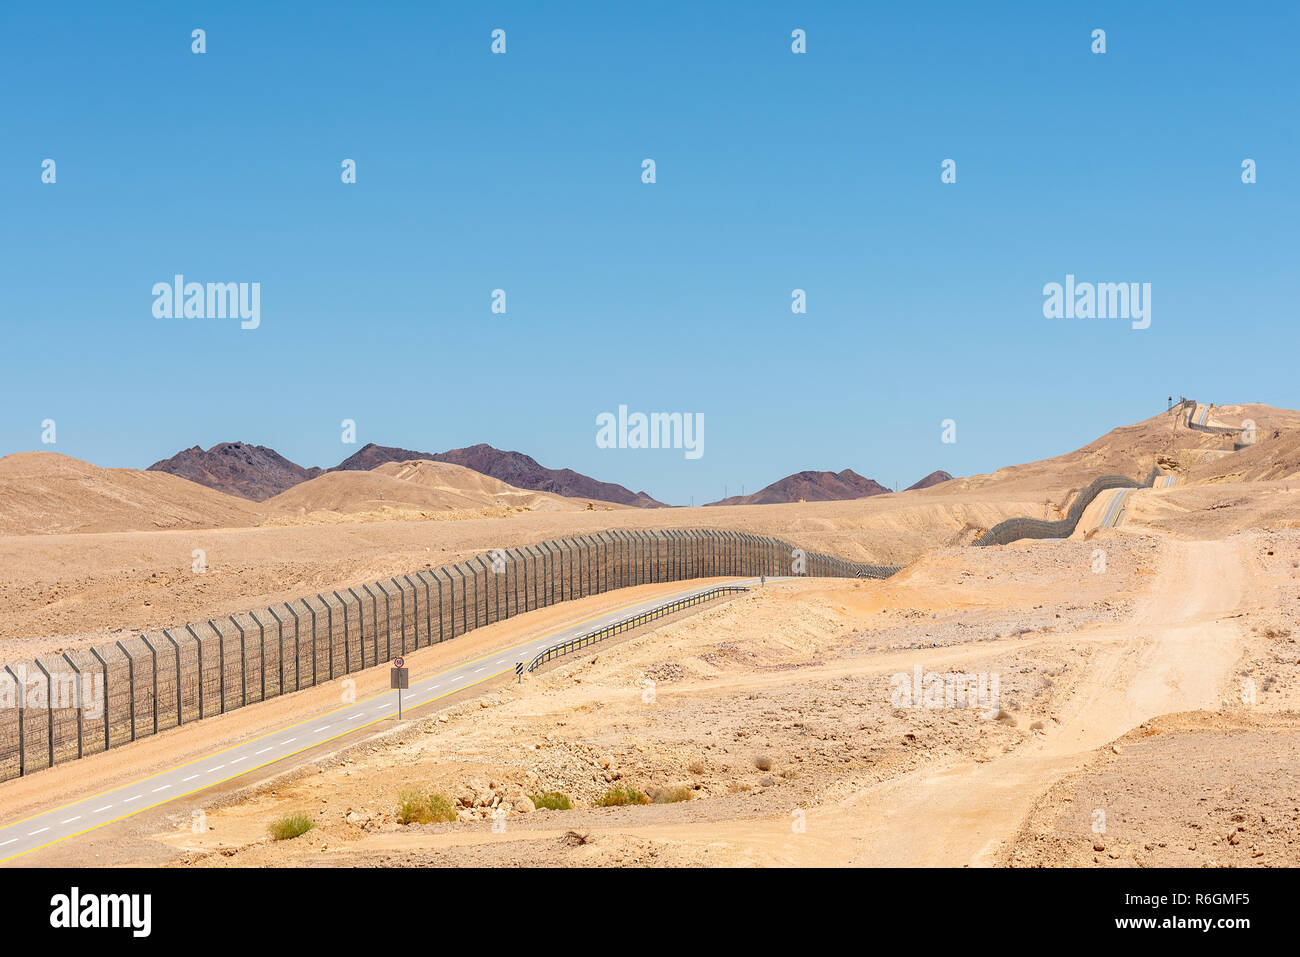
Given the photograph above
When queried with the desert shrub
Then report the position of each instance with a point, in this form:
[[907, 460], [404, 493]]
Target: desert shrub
[[673, 795], [552, 801], [416, 808], [413, 808], [622, 794], [441, 808], [290, 826], [763, 762]]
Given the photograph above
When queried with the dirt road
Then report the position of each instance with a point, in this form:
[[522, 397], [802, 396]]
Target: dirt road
[[1174, 654]]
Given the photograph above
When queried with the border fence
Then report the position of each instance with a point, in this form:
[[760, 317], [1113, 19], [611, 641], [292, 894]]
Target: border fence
[[59, 708]]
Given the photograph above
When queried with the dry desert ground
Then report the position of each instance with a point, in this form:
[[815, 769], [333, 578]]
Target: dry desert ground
[[1145, 704]]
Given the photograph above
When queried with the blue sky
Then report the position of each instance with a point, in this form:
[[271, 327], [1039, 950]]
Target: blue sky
[[522, 171]]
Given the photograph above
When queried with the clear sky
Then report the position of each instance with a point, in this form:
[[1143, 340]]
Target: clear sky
[[523, 172]]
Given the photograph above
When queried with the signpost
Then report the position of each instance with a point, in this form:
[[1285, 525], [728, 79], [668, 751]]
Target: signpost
[[519, 671], [399, 678]]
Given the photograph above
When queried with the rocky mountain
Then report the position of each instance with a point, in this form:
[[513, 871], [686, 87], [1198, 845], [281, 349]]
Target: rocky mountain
[[256, 472], [934, 478], [248, 471], [523, 471], [810, 487]]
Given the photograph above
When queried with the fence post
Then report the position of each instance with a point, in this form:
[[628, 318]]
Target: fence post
[[388, 621], [103, 665], [648, 555], [329, 624], [487, 570], [20, 689], [198, 642], [566, 568], [361, 629], [221, 665], [584, 562], [261, 652], [347, 651], [130, 680], [374, 620], [402, 592], [633, 557], [428, 610], [297, 649], [537, 576], [415, 610], [49, 708], [153, 655], [176, 650], [314, 643], [513, 590], [243, 663], [544, 551], [80, 699], [500, 578], [451, 607], [279, 632]]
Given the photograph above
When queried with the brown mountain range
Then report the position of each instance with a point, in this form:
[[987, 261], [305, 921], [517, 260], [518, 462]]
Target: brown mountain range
[[257, 473], [934, 478], [810, 487], [248, 471]]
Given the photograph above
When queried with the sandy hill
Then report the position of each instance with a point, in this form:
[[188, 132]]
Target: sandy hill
[[514, 468], [410, 489], [48, 493], [249, 471], [1165, 441], [934, 478], [523, 471]]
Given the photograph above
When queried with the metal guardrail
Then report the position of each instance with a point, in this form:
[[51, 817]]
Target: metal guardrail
[[626, 624]]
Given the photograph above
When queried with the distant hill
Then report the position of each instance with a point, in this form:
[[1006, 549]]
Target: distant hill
[[249, 471], [523, 471], [934, 478], [258, 473], [810, 487], [410, 489], [44, 493]]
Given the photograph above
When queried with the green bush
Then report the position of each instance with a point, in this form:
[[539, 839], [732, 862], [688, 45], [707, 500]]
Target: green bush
[[292, 826], [441, 808], [416, 808], [413, 808], [552, 801], [623, 794]]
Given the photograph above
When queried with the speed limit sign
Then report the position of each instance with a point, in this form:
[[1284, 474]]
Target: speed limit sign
[[399, 678]]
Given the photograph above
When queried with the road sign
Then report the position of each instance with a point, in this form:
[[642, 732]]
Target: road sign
[[399, 662], [519, 670], [398, 679]]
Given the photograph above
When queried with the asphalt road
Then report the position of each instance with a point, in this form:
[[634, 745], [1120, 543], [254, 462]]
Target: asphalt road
[[50, 827]]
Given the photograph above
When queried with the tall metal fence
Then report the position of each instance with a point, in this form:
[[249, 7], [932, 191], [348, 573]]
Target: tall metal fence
[[1014, 529], [57, 709]]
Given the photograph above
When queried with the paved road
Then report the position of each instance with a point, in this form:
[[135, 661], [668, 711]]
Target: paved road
[[50, 827], [1115, 509]]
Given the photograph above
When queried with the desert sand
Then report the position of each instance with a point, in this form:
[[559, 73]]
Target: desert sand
[[1147, 709]]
